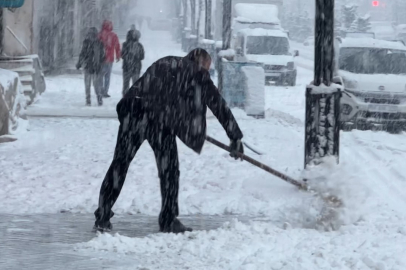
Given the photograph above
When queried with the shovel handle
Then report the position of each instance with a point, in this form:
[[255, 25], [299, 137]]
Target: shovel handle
[[259, 164]]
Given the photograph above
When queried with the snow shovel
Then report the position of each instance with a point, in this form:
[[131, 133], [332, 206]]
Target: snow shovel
[[252, 149], [331, 200], [254, 162]]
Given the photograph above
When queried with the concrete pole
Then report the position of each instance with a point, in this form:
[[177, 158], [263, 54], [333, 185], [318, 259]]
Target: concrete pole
[[227, 9], [208, 20]]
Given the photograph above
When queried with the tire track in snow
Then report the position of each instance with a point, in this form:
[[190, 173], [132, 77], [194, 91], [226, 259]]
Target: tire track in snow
[[376, 151], [385, 179]]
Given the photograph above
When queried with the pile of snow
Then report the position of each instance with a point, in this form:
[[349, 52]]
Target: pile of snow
[[227, 53], [339, 199], [324, 89], [254, 78], [257, 13], [208, 41], [258, 245]]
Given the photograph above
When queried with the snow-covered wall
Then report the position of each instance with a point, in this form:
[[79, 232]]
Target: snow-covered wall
[[53, 29], [18, 33]]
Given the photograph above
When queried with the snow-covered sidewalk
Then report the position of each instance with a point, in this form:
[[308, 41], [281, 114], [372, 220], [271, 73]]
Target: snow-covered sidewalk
[[36, 167], [59, 165]]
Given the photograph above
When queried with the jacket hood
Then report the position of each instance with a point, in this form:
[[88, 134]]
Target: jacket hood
[[107, 26], [92, 33], [133, 35]]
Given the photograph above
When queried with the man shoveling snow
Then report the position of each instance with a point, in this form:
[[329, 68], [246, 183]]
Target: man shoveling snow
[[169, 100]]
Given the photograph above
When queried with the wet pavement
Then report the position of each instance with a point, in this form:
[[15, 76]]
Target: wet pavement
[[46, 241]]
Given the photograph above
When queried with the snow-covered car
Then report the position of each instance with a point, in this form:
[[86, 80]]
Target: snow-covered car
[[270, 47], [374, 77], [401, 32], [360, 35], [309, 41], [383, 30]]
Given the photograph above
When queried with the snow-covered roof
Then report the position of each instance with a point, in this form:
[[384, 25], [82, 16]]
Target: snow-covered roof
[[372, 43], [263, 32], [257, 13]]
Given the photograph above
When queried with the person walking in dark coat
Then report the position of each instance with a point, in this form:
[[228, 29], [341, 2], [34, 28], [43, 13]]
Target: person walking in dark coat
[[132, 55], [170, 100], [92, 57]]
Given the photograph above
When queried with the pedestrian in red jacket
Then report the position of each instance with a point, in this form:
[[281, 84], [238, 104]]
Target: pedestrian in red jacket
[[111, 46]]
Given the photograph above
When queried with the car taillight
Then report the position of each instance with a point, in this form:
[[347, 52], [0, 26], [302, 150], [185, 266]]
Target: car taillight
[[291, 65]]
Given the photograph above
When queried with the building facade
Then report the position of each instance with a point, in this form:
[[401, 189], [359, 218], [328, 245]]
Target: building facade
[[53, 29]]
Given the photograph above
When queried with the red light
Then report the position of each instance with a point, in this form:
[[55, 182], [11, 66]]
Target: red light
[[375, 3]]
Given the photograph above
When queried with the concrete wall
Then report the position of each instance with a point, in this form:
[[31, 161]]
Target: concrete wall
[[20, 23]]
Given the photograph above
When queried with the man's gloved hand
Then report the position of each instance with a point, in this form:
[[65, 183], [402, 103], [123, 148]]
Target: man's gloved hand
[[236, 147]]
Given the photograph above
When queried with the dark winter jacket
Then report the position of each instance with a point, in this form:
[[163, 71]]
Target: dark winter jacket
[[176, 93], [92, 55], [110, 41], [132, 53]]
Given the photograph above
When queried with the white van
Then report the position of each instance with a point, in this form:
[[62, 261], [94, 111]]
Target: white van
[[374, 77], [271, 47]]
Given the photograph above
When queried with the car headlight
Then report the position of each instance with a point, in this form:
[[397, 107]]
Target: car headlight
[[350, 84], [291, 65], [346, 109]]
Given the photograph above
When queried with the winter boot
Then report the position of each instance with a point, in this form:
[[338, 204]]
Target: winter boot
[[175, 227], [88, 103], [102, 225], [100, 100], [106, 95]]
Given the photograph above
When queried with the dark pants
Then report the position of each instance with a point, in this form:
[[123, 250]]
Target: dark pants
[[127, 77], [105, 77], [95, 78], [135, 127]]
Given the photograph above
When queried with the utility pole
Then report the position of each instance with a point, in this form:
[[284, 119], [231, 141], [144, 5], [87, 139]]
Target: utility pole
[[208, 20], [322, 131], [193, 16], [1, 30], [227, 9], [185, 12], [199, 19]]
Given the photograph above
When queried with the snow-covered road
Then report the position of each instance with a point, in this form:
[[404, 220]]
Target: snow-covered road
[[60, 163]]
